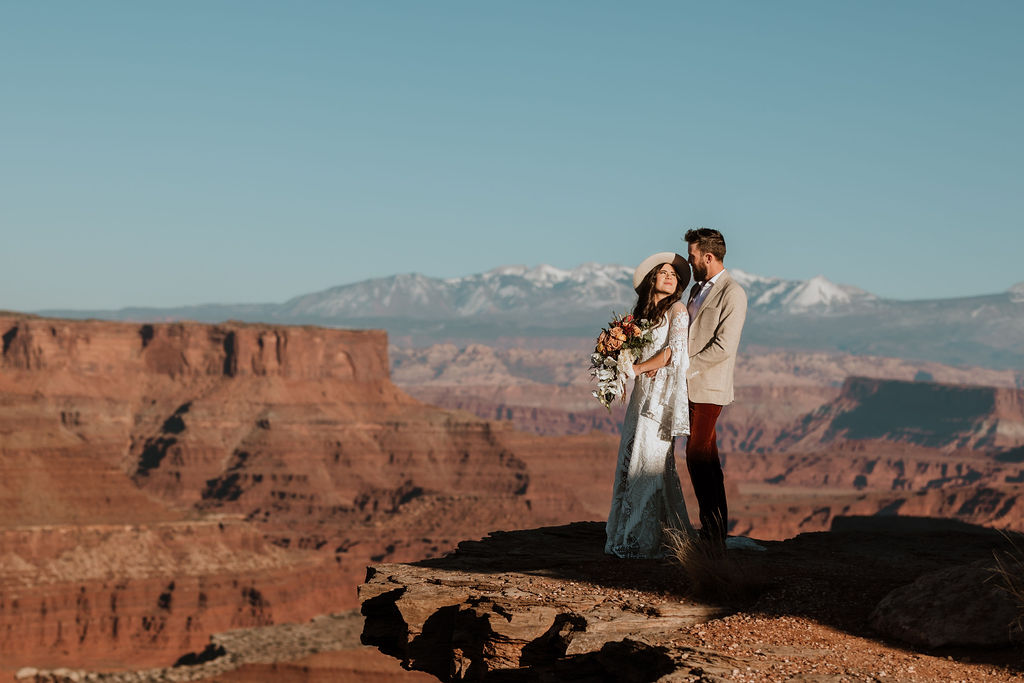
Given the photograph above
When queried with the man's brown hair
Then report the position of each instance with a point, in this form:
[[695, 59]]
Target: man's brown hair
[[708, 241]]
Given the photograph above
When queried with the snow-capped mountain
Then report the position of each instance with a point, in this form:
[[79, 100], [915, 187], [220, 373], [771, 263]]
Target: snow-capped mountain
[[504, 290], [800, 296], [545, 290], [1017, 293], [518, 302]]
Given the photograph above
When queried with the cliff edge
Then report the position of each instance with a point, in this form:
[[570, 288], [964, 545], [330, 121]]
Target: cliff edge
[[855, 603]]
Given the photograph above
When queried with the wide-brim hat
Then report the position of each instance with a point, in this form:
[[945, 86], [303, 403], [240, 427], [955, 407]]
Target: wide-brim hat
[[655, 260]]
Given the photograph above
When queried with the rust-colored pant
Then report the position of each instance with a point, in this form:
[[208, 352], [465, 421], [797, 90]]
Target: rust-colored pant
[[706, 470]]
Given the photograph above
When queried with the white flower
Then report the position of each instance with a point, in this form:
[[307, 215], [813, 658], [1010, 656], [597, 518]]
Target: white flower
[[625, 366]]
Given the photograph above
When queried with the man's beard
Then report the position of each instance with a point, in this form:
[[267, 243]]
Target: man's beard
[[700, 274]]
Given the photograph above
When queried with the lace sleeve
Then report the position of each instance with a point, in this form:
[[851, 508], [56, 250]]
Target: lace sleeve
[[668, 401]]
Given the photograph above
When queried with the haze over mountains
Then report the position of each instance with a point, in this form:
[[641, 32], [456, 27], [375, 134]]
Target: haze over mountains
[[544, 301]]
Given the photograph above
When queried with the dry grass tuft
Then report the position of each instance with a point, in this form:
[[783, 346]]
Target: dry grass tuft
[[710, 573], [1009, 572]]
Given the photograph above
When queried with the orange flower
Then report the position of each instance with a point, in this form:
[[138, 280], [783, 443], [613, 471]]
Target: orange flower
[[616, 337]]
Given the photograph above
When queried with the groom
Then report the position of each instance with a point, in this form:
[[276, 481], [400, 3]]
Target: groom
[[717, 307]]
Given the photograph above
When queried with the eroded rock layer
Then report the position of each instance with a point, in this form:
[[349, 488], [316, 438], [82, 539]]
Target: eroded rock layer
[[811, 436], [162, 482], [107, 596]]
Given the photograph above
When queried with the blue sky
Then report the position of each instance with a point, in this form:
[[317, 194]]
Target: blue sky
[[176, 153]]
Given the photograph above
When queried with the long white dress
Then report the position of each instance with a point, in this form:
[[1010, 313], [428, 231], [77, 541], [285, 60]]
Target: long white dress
[[647, 497]]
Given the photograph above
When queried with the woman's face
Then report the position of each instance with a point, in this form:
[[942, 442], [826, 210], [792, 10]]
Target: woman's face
[[666, 280]]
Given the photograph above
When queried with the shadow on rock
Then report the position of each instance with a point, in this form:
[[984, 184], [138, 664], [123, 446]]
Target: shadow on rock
[[836, 578]]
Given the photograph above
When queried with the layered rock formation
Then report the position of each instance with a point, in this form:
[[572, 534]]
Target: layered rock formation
[[118, 595], [326, 648], [936, 416], [109, 435], [547, 391], [804, 441], [891, 447], [164, 482]]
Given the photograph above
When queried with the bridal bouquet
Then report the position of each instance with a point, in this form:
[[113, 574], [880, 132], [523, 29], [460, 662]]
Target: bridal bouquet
[[618, 347]]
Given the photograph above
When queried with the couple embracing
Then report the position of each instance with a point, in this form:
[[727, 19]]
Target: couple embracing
[[682, 380]]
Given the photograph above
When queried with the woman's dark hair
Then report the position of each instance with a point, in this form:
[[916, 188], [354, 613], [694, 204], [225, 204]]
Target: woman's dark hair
[[645, 306]]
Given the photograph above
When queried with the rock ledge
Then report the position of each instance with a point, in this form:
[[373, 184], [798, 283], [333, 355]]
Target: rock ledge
[[547, 605]]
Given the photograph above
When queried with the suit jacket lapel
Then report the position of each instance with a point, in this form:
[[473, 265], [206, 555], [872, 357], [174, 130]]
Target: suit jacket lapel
[[716, 289]]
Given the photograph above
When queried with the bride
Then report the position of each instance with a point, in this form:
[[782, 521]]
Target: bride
[[647, 496]]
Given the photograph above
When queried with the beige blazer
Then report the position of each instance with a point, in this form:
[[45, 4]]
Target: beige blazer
[[714, 337]]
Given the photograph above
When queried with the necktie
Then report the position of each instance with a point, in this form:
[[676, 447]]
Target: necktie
[[694, 291]]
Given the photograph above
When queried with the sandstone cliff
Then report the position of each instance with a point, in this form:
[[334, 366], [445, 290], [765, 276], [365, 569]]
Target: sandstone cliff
[[108, 433], [937, 416], [169, 481], [810, 436], [890, 447], [162, 482], [547, 391]]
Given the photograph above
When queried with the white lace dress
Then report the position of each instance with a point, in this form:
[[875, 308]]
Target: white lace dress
[[646, 495]]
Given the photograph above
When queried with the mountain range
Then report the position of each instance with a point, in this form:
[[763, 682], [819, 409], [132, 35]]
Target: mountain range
[[544, 301]]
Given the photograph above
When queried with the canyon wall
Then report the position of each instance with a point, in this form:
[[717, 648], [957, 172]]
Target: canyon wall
[[162, 482], [108, 434], [811, 435]]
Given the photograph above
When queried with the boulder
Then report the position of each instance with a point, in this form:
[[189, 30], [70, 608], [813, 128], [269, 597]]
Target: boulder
[[958, 606]]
